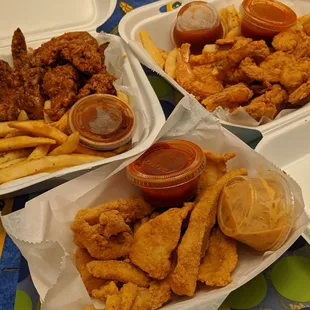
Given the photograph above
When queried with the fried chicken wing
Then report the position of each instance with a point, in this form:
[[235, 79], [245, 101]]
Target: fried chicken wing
[[231, 97], [189, 252], [151, 251], [267, 104], [220, 260], [82, 257], [105, 290], [189, 81], [60, 85], [19, 51], [118, 270], [130, 209]]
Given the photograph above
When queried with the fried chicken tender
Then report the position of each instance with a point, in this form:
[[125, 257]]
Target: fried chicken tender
[[214, 170], [160, 292], [231, 97], [118, 271], [124, 299], [183, 279], [113, 223], [49, 53], [60, 85], [8, 104], [100, 83], [189, 81], [82, 257], [131, 209], [19, 51], [220, 260], [143, 300], [156, 239], [104, 291], [267, 104], [32, 99], [91, 237]]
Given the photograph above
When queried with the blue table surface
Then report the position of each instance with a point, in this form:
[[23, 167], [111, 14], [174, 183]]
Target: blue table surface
[[16, 288]]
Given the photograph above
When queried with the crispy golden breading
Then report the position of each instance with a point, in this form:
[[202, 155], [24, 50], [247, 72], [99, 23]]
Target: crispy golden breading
[[220, 260], [82, 257], [19, 51], [160, 292], [156, 239], [91, 237], [104, 291], [130, 209], [189, 252], [118, 270]]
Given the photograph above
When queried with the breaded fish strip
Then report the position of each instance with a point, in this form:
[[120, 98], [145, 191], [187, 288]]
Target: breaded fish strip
[[189, 252], [156, 239], [220, 260], [91, 237], [124, 299], [130, 209], [82, 257], [215, 169], [118, 270], [104, 291]]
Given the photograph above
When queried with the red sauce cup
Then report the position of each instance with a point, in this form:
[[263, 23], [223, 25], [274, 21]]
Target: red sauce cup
[[167, 173]]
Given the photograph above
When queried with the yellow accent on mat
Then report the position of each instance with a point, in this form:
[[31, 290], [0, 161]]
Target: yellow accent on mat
[[8, 205]]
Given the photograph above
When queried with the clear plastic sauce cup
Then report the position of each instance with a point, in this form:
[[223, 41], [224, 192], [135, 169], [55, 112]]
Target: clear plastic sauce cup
[[257, 211]]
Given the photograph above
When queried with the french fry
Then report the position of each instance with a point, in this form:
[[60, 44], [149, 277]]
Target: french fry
[[61, 124], [210, 48], [224, 15], [233, 33], [23, 116], [121, 95], [164, 54], [67, 147], [5, 129], [21, 142], [12, 162], [41, 129], [233, 18], [16, 133], [84, 150], [151, 48], [9, 156], [47, 105], [171, 63], [40, 151], [30, 167]]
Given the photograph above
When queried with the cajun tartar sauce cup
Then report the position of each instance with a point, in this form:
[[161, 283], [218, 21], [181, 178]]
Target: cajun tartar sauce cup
[[167, 173], [105, 122]]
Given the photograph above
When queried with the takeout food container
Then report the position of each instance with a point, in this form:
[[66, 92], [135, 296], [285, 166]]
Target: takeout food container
[[158, 18], [77, 16], [49, 248]]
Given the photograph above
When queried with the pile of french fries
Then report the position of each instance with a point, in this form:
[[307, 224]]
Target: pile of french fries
[[231, 22], [30, 147]]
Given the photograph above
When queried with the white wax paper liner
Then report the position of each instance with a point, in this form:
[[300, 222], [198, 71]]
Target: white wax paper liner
[[42, 229]]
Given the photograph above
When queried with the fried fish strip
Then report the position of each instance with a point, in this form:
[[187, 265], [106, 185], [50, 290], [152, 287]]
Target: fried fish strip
[[82, 257], [151, 251], [184, 277], [118, 270], [220, 260], [130, 209]]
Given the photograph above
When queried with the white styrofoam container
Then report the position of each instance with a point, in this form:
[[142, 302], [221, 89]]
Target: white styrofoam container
[[40, 22], [158, 23], [289, 148]]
